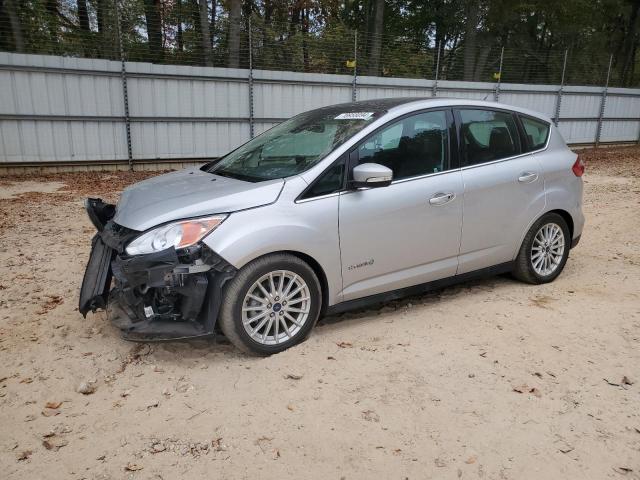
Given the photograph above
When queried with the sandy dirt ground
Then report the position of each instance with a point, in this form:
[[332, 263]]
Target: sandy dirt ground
[[492, 379]]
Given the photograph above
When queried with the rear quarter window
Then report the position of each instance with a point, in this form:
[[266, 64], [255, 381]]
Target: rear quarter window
[[536, 132]]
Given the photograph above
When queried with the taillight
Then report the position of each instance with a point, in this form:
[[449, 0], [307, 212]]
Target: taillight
[[578, 167]]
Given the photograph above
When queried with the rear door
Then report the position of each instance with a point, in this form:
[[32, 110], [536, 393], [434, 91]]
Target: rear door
[[406, 233], [503, 188]]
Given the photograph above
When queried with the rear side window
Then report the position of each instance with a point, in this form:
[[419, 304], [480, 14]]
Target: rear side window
[[487, 135], [536, 131]]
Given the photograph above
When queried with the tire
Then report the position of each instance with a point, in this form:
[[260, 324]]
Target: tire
[[530, 263], [243, 301]]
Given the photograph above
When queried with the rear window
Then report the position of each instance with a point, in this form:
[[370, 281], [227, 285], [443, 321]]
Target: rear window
[[536, 131]]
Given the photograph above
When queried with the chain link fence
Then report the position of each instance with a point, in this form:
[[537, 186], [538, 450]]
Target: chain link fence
[[182, 34], [264, 71]]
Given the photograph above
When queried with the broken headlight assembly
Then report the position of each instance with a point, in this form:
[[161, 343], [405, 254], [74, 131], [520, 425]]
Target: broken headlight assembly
[[175, 234]]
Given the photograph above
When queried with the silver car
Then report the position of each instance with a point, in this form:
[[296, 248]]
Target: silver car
[[334, 209]]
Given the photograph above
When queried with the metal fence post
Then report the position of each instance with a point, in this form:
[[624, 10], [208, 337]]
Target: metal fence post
[[556, 117], [251, 118], [496, 92], [125, 93], [603, 102], [434, 90], [354, 83]]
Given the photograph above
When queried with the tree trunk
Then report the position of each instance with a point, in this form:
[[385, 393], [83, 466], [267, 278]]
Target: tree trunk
[[16, 29], [205, 37], [154, 29], [375, 39], [629, 46], [470, 40], [480, 64], [235, 17], [268, 12], [305, 40], [53, 20], [83, 16], [212, 25]]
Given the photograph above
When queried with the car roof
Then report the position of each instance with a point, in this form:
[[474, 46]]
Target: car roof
[[408, 104]]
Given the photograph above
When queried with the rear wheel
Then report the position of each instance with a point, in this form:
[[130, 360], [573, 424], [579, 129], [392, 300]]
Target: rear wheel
[[271, 305], [544, 251]]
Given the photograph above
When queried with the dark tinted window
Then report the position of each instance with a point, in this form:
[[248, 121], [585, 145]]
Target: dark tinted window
[[415, 145], [330, 181], [537, 132], [487, 135]]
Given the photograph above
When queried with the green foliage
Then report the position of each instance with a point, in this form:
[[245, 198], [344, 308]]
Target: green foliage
[[319, 35]]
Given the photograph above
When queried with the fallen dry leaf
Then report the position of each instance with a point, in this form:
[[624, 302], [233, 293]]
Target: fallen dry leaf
[[344, 344], [52, 404], [370, 416], [623, 470], [54, 443], [292, 376], [527, 389], [536, 392], [625, 381], [471, 459], [133, 467], [24, 455], [217, 445]]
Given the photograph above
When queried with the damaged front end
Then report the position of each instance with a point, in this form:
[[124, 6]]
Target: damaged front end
[[168, 294]]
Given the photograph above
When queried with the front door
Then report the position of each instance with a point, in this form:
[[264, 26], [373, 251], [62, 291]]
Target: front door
[[407, 233]]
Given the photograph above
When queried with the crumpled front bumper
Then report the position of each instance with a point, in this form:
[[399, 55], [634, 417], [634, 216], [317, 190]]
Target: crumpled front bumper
[[159, 296]]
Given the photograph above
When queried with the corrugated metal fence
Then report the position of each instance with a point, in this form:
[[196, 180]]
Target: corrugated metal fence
[[61, 110]]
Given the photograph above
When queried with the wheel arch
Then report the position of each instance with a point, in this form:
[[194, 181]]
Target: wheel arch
[[319, 271], [567, 218], [563, 213], [315, 266]]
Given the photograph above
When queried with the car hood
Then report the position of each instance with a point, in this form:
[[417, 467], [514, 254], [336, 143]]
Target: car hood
[[189, 193]]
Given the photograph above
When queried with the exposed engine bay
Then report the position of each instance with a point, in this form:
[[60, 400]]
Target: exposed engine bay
[[163, 295]]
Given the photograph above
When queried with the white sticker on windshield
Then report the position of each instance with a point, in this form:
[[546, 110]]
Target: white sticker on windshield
[[355, 116]]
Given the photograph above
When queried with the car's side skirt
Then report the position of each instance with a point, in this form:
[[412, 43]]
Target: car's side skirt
[[418, 289]]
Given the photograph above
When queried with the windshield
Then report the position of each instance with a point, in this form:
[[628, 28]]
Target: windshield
[[294, 145]]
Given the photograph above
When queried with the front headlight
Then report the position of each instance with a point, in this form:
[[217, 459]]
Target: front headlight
[[177, 234]]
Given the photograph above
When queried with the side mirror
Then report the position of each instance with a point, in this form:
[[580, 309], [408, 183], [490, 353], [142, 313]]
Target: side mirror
[[371, 175]]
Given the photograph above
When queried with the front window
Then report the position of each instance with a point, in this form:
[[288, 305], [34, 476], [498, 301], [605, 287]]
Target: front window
[[294, 146], [415, 145]]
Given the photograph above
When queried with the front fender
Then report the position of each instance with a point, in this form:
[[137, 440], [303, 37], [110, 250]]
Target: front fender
[[310, 228]]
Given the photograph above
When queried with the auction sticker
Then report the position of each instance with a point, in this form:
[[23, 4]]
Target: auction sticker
[[355, 116]]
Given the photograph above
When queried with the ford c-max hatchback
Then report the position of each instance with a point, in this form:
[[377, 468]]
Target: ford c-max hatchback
[[333, 209]]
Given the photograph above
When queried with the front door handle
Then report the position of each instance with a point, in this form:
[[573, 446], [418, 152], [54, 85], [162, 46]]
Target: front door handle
[[442, 198], [528, 177]]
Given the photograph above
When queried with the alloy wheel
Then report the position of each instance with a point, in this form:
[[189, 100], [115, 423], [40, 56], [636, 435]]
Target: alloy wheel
[[547, 249], [276, 307]]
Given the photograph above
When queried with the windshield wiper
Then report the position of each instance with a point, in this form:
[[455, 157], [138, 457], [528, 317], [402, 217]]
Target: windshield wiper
[[237, 176]]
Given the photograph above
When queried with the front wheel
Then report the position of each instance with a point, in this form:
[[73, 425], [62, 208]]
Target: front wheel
[[544, 250], [271, 305]]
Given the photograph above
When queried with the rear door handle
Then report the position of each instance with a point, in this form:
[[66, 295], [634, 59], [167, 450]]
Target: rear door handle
[[442, 198], [528, 177]]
